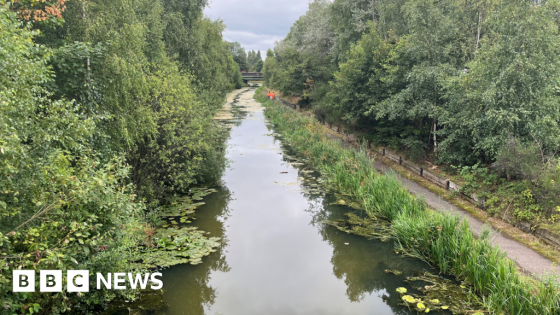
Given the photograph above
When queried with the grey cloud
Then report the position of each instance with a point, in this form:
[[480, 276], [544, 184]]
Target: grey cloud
[[256, 24]]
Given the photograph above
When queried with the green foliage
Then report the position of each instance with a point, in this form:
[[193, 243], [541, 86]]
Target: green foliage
[[476, 178], [509, 87], [357, 84], [517, 160], [239, 55], [60, 206], [269, 68], [532, 193], [454, 78], [303, 57], [104, 115], [259, 65], [465, 83], [254, 61]]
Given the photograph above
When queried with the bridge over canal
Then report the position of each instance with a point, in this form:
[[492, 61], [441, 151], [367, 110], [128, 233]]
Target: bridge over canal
[[252, 76]]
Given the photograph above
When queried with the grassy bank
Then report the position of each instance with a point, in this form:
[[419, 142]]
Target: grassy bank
[[441, 239]]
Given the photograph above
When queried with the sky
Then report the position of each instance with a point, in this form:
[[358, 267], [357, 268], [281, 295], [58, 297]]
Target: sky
[[256, 24]]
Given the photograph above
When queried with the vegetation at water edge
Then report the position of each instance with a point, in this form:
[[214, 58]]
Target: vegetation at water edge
[[441, 239]]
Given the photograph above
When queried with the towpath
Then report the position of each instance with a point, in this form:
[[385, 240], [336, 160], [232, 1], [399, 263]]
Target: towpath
[[528, 260]]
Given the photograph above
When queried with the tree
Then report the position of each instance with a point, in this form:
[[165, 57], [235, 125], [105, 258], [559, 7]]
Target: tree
[[62, 206], [239, 55], [419, 64], [269, 67], [303, 57], [509, 88], [259, 65]]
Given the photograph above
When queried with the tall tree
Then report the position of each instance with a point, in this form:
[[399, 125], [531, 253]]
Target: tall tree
[[509, 88]]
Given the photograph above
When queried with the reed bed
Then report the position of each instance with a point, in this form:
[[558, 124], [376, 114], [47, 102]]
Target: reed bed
[[443, 240]]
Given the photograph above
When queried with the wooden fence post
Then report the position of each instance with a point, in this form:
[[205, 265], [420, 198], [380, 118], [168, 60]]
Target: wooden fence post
[[383, 151], [422, 171]]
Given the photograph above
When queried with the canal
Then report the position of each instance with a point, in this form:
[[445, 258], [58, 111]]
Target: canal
[[277, 255]]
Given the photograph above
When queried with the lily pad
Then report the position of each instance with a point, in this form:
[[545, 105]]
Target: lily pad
[[401, 290], [176, 246], [441, 294]]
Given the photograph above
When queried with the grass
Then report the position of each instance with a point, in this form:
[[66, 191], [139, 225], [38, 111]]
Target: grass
[[444, 240]]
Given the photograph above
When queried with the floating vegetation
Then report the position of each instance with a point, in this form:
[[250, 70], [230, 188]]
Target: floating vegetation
[[184, 207], [367, 227], [395, 272], [440, 294], [171, 244], [345, 200], [176, 246]]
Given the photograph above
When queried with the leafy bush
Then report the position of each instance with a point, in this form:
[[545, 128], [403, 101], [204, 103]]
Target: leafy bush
[[517, 160], [540, 175], [477, 178]]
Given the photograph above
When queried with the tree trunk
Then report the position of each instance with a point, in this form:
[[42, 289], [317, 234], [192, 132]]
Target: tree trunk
[[88, 62], [479, 28], [435, 137]]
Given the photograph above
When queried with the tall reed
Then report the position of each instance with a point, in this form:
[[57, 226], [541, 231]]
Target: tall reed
[[441, 239]]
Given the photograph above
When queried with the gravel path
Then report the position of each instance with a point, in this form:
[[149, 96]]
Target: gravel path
[[526, 258]]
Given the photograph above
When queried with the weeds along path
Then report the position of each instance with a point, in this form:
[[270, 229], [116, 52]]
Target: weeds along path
[[527, 259]]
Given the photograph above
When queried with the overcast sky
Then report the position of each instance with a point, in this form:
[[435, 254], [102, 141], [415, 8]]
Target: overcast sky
[[256, 24]]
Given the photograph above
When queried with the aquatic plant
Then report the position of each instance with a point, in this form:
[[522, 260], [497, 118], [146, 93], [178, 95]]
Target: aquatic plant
[[174, 243], [443, 240]]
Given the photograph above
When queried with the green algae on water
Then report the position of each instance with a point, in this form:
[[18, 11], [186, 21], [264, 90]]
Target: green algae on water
[[366, 227], [439, 293]]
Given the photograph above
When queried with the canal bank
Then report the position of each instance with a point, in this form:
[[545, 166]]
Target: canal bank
[[446, 241]]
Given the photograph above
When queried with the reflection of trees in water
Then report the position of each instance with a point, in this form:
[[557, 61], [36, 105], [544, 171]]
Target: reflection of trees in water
[[363, 262], [188, 290]]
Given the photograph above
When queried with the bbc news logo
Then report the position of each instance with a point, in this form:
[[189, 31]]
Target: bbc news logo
[[78, 281]]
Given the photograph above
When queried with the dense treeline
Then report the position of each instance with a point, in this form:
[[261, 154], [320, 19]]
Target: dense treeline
[[248, 61], [455, 82], [106, 108]]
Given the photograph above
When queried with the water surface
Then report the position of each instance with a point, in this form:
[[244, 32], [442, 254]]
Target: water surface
[[277, 256]]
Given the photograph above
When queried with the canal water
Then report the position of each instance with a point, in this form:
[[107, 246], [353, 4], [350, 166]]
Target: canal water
[[278, 257]]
